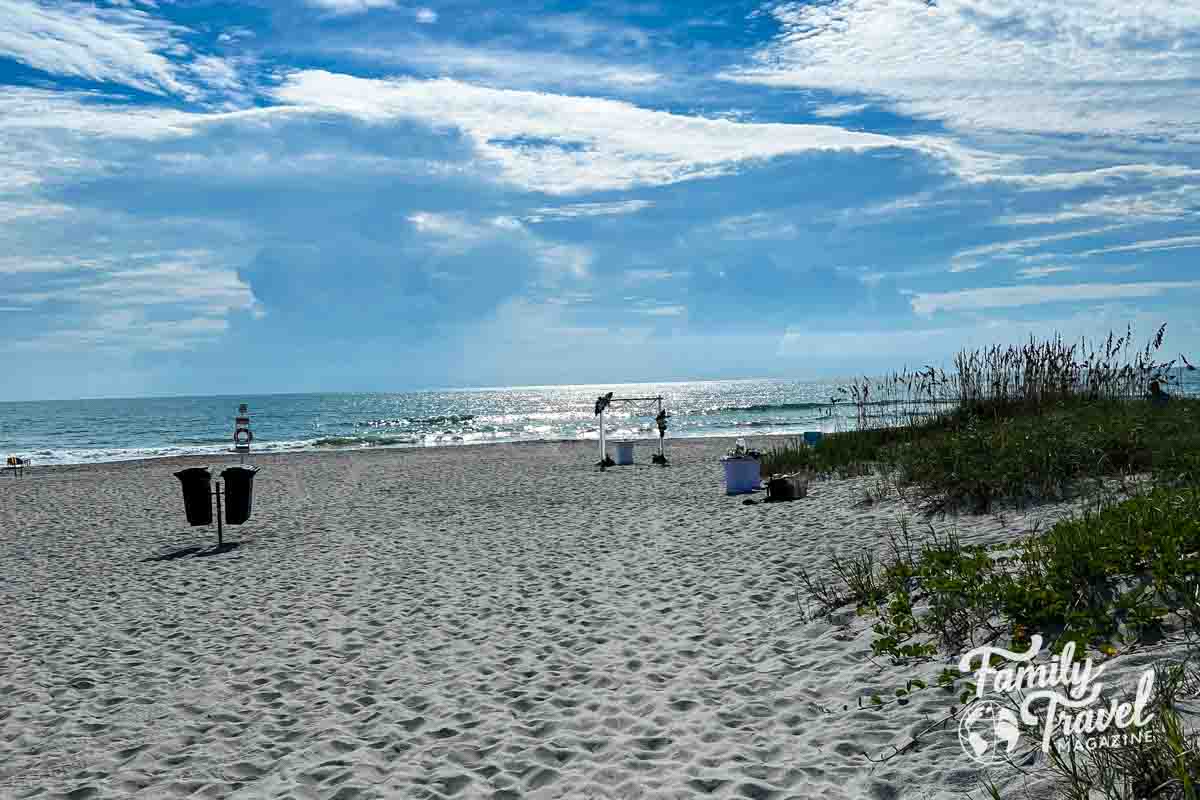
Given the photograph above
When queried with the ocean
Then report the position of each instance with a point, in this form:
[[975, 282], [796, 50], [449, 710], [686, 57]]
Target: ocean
[[89, 431]]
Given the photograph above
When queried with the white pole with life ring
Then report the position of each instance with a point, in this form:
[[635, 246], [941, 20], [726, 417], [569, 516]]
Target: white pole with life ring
[[242, 435]]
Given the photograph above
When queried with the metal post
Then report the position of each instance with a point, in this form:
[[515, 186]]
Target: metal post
[[220, 531]]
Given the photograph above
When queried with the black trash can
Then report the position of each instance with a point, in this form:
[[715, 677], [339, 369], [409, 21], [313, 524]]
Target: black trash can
[[197, 495], [239, 491]]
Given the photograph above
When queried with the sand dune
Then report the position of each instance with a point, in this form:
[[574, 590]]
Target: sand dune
[[485, 622]]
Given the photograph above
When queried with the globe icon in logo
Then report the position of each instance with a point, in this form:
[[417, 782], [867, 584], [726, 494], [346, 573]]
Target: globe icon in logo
[[984, 728]]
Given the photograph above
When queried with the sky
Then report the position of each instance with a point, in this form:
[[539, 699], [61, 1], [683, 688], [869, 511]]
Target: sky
[[372, 195]]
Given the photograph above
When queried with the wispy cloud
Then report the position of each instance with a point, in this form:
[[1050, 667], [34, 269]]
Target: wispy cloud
[[760, 225], [638, 276], [1033, 273], [124, 332], [972, 258], [119, 45], [1100, 176], [345, 7], [1161, 206], [1014, 296], [1049, 67], [457, 233], [565, 144], [563, 261], [580, 30], [182, 283], [30, 209], [1173, 243], [504, 67], [577, 210], [661, 311], [834, 110], [152, 301], [110, 45]]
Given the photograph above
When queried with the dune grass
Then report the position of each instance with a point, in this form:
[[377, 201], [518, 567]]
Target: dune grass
[[1022, 425], [1017, 424]]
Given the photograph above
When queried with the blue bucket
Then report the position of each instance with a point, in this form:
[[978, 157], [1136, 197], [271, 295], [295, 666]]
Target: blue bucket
[[812, 437]]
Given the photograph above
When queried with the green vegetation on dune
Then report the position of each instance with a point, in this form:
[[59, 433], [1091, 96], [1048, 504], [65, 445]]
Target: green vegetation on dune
[[1028, 424], [1033, 423], [972, 462], [1101, 579]]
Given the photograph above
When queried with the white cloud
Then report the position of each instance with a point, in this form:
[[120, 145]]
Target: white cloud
[[222, 77], [138, 301], [122, 45], [17, 265], [30, 209], [969, 259], [34, 112], [426, 16], [1014, 296], [115, 45], [577, 210], [125, 331], [582, 31], [234, 34], [1154, 206], [636, 276], [564, 261], [661, 311], [1174, 243], [900, 205], [514, 68], [345, 7], [1102, 176], [1011, 65], [865, 275], [563, 144], [834, 110], [455, 234], [1033, 273], [759, 225], [447, 226], [182, 283]]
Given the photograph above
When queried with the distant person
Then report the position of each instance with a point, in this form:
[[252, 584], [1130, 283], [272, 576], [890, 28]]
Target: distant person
[[1157, 396]]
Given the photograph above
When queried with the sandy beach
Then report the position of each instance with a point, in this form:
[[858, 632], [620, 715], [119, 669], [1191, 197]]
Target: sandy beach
[[479, 622]]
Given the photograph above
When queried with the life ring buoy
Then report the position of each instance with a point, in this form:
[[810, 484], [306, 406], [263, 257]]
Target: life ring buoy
[[238, 436]]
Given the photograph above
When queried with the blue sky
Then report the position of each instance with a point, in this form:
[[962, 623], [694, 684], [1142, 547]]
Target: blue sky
[[214, 197]]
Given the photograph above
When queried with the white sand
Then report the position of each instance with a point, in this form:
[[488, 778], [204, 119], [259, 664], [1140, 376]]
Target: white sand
[[484, 622]]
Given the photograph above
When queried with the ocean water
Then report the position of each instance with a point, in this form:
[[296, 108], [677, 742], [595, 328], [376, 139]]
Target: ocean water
[[85, 431]]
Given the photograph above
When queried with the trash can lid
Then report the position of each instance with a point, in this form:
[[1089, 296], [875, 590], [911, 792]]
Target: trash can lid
[[198, 472], [237, 470]]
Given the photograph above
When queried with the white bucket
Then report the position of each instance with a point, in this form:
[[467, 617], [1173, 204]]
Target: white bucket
[[624, 454], [741, 475]]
